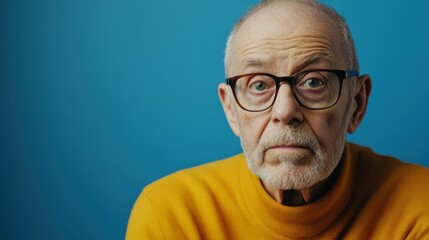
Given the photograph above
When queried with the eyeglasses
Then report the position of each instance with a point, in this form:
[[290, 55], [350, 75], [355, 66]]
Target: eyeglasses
[[312, 89]]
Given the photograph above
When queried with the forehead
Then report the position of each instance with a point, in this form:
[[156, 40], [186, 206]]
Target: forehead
[[285, 34]]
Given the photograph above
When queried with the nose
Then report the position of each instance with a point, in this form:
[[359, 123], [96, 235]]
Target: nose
[[286, 110]]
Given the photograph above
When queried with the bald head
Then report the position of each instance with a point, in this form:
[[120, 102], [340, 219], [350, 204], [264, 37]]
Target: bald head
[[280, 17]]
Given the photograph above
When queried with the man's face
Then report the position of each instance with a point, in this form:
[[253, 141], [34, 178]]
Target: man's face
[[288, 146]]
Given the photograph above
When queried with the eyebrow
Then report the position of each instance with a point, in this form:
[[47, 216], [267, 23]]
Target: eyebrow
[[251, 62], [319, 57]]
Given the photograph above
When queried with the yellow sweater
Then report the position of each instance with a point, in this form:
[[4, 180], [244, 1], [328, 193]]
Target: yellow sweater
[[374, 197]]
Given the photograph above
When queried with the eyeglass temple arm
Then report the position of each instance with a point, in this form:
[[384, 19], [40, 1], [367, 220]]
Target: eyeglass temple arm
[[351, 73]]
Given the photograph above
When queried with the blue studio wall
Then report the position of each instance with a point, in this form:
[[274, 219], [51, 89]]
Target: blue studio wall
[[99, 98]]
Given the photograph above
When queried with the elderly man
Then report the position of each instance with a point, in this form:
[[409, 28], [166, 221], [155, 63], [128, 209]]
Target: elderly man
[[293, 91]]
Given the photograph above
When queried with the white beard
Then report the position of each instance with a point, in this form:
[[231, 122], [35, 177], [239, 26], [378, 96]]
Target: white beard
[[294, 171]]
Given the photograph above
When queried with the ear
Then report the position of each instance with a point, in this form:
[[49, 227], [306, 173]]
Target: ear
[[225, 96], [363, 89]]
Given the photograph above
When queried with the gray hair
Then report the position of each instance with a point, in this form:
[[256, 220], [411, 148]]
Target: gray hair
[[338, 20]]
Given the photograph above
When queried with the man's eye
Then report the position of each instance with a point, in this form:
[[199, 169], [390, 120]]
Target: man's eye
[[259, 86], [314, 83]]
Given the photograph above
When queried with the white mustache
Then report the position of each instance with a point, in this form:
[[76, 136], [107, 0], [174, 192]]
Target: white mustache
[[292, 137]]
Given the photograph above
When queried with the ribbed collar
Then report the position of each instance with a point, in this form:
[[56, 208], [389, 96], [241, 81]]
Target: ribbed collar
[[303, 221]]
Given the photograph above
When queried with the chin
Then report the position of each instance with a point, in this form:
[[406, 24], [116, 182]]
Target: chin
[[294, 174]]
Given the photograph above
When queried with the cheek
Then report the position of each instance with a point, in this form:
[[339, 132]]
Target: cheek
[[331, 123], [326, 126], [252, 127]]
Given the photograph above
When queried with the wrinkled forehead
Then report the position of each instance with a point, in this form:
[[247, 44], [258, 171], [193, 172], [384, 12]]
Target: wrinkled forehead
[[283, 26]]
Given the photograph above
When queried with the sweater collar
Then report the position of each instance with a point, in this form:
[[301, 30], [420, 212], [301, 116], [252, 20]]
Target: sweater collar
[[302, 221]]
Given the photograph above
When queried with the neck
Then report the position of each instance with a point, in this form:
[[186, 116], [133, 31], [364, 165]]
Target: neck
[[300, 197]]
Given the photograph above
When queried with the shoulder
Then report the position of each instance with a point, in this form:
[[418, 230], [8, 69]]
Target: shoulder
[[175, 200], [376, 164], [175, 205], [398, 181], [202, 178], [390, 192]]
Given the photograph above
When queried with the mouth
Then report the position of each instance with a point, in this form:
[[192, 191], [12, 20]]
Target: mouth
[[289, 148], [297, 154]]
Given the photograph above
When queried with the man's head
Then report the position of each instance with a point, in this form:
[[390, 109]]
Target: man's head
[[288, 145], [312, 7]]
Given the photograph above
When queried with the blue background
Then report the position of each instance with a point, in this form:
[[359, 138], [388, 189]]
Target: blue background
[[99, 98]]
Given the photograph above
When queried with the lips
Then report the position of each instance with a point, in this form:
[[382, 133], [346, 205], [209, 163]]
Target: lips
[[289, 148]]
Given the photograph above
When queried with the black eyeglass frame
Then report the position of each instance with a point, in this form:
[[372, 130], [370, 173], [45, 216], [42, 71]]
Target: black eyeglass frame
[[341, 74]]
